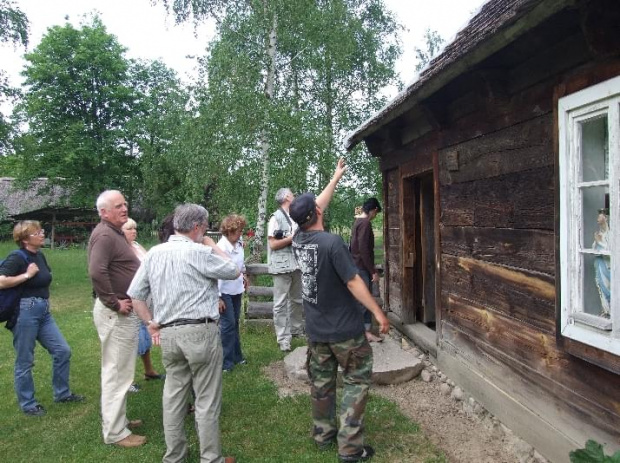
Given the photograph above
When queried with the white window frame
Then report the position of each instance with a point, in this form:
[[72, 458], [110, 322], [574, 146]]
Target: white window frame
[[603, 98]]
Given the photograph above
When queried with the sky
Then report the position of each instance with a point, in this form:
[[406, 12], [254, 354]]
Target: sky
[[149, 33]]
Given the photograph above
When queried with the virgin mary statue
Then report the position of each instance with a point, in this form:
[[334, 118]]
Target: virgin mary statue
[[602, 263]]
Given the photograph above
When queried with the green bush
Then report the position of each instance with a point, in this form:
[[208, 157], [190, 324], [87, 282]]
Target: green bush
[[593, 453]]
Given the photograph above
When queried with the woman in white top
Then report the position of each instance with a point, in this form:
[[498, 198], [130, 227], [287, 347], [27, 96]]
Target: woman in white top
[[130, 229], [231, 291]]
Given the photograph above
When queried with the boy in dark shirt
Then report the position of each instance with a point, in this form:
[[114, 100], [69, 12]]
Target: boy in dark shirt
[[330, 286], [363, 252]]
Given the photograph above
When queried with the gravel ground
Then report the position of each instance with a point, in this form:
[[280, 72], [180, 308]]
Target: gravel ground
[[461, 428]]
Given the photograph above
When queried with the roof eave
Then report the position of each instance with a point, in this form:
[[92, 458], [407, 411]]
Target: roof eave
[[433, 79]]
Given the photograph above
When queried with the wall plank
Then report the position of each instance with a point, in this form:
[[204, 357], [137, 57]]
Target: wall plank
[[523, 146], [533, 357], [517, 293], [522, 200], [529, 249], [576, 415]]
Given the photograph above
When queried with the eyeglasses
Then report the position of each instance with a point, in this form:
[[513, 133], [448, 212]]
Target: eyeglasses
[[39, 233]]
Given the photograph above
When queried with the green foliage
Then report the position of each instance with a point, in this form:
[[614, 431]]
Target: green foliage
[[331, 58], [593, 453], [433, 45], [77, 104], [13, 29], [13, 24], [157, 122]]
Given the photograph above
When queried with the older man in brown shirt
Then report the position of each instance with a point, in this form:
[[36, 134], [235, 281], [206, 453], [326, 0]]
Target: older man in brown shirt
[[112, 265]]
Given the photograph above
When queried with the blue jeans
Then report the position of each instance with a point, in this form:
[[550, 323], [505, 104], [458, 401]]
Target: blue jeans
[[35, 323], [367, 313], [144, 340], [229, 329]]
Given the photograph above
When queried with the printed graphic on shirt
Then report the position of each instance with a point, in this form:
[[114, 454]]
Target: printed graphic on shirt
[[306, 256]]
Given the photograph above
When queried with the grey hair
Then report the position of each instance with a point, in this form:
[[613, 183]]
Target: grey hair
[[103, 200], [187, 216], [281, 194]]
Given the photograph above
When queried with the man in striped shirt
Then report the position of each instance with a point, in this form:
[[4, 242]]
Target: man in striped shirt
[[181, 276]]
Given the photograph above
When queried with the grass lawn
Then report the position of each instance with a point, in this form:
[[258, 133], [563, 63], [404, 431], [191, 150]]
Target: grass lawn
[[256, 425]]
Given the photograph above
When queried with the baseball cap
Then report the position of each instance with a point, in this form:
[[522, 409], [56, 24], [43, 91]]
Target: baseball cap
[[303, 208]]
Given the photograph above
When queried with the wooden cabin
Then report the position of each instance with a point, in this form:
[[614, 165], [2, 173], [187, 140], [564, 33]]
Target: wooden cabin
[[501, 174]]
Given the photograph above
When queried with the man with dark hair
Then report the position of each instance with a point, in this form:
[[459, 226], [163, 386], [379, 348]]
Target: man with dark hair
[[330, 286], [181, 276], [287, 311], [363, 252]]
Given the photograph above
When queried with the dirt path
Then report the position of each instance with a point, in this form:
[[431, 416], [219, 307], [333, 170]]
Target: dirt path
[[460, 427]]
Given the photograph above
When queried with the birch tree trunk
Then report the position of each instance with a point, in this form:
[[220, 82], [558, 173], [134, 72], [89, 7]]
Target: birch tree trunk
[[257, 248]]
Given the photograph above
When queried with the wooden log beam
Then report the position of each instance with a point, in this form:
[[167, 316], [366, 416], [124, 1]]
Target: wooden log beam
[[259, 310], [266, 291]]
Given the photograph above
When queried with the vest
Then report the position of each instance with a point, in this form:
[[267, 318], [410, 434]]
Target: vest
[[281, 260]]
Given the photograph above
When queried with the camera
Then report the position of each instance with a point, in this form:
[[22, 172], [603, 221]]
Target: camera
[[278, 234]]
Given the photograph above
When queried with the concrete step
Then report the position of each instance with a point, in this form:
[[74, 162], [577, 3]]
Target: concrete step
[[391, 364]]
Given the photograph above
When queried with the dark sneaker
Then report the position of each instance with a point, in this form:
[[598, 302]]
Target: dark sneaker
[[71, 398], [366, 454], [37, 410], [325, 445], [135, 387]]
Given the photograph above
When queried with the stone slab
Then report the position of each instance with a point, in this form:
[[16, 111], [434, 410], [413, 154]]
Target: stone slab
[[391, 364]]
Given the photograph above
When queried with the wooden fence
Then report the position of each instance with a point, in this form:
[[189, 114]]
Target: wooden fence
[[258, 310], [261, 310]]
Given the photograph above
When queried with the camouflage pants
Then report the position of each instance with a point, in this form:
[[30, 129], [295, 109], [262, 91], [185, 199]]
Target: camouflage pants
[[355, 358]]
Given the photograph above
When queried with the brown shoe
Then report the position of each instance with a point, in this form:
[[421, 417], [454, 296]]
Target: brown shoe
[[229, 460], [132, 440], [133, 424]]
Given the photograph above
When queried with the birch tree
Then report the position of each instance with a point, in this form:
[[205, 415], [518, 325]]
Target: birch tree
[[284, 81]]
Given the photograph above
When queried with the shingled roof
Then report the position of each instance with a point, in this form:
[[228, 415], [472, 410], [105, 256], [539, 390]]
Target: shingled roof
[[39, 195], [497, 24]]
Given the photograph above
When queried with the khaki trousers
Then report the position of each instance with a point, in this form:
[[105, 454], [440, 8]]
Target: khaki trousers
[[192, 356], [119, 347], [287, 306]]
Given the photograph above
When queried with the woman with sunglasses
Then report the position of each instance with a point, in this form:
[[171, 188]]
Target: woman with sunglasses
[[34, 322]]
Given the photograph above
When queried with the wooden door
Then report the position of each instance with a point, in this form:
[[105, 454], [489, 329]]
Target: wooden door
[[418, 285]]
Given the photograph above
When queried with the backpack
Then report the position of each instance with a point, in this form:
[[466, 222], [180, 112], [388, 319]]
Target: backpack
[[9, 297]]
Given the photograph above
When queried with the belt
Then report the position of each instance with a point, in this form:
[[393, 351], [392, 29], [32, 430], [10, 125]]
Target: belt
[[186, 321]]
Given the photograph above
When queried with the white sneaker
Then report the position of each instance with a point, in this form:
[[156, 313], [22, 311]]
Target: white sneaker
[[285, 346]]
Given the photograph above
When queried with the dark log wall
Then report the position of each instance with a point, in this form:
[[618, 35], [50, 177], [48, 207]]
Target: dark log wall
[[495, 131], [393, 243]]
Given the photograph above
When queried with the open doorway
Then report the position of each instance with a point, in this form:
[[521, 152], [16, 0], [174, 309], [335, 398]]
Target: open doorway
[[419, 249]]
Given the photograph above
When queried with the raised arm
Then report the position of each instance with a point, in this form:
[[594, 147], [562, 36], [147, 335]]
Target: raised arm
[[325, 197]]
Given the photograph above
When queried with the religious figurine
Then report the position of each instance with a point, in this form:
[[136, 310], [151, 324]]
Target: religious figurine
[[602, 263]]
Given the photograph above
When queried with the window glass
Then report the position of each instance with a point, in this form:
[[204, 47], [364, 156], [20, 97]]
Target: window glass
[[595, 149]]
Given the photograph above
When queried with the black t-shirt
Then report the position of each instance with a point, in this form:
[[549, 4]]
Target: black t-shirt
[[332, 313], [38, 285]]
